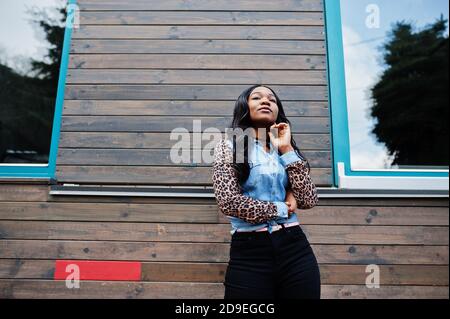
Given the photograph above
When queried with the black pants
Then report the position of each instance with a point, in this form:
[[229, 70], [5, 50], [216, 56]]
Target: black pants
[[281, 265]]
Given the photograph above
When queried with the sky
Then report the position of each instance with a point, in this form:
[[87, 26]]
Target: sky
[[363, 65], [19, 39]]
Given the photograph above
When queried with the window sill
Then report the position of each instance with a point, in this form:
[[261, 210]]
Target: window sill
[[392, 183]]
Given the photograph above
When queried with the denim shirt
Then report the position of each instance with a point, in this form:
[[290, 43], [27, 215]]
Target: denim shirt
[[267, 181]]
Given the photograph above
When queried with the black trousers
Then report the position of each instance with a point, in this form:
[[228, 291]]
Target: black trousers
[[281, 265]]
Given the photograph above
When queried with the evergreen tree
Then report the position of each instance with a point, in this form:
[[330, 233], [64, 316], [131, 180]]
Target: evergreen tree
[[410, 101], [27, 103]]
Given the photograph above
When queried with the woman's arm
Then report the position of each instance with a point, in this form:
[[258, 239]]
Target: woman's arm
[[290, 201], [229, 195], [302, 187], [301, 184]]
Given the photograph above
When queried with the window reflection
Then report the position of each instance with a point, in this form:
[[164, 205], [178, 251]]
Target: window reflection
[[396, 64], [31, 39]]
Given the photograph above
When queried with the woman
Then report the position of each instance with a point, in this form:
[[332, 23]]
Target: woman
[[270, 256]]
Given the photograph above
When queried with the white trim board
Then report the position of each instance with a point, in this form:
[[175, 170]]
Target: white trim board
[[390, 182]]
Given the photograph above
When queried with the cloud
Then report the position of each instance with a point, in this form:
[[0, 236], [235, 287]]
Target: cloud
[[17, 35], [362, 71]]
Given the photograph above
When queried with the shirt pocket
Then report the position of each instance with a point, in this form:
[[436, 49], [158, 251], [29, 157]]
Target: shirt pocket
[[254, 178]]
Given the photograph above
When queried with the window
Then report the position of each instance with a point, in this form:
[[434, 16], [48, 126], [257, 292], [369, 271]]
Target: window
[[34, 44], [388, 76]]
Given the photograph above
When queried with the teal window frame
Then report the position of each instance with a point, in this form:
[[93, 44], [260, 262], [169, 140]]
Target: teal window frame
[[47, 171], [339, 116]]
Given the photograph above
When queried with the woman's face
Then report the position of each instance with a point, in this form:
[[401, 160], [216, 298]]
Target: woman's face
[[263, 107]]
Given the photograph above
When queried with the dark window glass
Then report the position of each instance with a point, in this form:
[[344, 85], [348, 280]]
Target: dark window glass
[[31, 40]]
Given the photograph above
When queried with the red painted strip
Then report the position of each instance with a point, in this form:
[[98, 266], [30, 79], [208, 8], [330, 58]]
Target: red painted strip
[[99, 270]]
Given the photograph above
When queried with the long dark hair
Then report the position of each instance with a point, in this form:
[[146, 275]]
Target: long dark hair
[[242, 120]]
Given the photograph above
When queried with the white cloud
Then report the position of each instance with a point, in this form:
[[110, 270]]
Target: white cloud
[[362, 71], [18, 38]]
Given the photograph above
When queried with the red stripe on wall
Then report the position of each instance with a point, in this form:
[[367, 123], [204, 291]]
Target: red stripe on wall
[[98, 270]]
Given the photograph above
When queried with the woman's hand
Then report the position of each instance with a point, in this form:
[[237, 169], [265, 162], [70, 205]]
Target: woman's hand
[[290, 202], [282, 139]]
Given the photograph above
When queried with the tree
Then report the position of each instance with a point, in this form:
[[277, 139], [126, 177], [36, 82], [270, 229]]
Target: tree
[[54, 34], [410, 101], [28, 102]]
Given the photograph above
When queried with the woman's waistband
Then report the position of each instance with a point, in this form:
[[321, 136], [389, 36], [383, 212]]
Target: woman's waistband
[[274, 228]]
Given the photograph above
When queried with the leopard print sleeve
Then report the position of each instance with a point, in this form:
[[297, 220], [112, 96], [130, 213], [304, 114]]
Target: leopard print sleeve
[[303, 189], [228, 192]]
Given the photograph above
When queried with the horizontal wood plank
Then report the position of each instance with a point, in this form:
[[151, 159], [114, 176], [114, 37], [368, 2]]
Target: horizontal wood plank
[[197, 61], [194, 32], [362, 207], [82, 76], [163, 232], [124, 140], [167, 157], [187, 92], [19, 289], [198, 46], [213, 252], [56, 289], [23, 192], [202, 5], [329, 274], [180, 123], [110, 212], [181, 108], [155, 175], [201, 18], [384, 292], [44, 289], [422, 275], [128, 209]]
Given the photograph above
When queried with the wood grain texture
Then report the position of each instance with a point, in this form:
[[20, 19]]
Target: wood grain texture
[[194, 32], [209, 46], [150, 290], [213, 252], [166, 157], [23, 193], [421, 275], [202, 5], [181, 124], [127, 140], [224, 18], [181, 108], [197, 61], [83, 76], [136, 74], [425, 206], [129, 209], [187, 92], [173, 232], [156, 175]]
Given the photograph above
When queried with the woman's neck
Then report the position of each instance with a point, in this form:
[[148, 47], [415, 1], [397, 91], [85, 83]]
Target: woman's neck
[[261, 133]]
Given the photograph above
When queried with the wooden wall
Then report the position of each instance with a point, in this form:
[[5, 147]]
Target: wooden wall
[[184, 245], [140, 68], [137, 72]]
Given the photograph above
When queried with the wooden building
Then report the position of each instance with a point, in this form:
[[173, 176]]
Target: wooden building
[[139, 69]]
